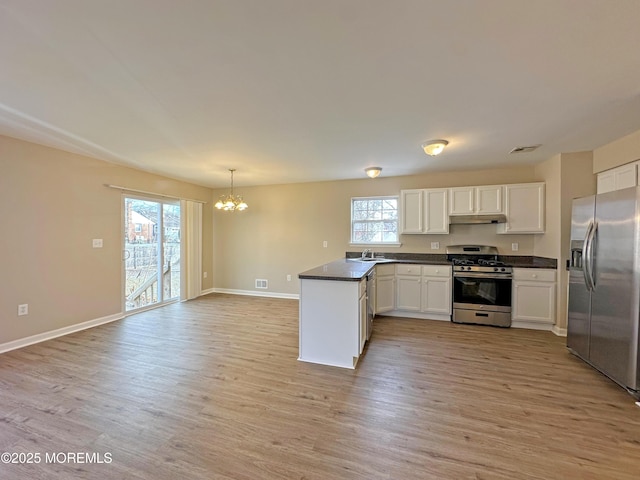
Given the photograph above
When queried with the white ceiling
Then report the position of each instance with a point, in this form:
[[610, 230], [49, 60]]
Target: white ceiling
[[304, 90]]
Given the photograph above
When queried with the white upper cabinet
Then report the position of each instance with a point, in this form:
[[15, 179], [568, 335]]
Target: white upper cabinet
[[436, 210], [461, 200], [524, 208], [424, 211], [427, 211], [411, 211], [618, 178], [489, 199], [475, 200]]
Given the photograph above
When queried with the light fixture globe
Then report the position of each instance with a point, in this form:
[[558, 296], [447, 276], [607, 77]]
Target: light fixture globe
[[373, 172], [231, 202], [434, 147]]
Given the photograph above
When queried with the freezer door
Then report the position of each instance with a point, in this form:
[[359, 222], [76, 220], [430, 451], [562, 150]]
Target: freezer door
[[615, 299], [578, 327]]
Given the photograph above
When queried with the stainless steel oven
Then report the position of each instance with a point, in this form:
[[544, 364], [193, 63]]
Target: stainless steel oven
[[481, 286]]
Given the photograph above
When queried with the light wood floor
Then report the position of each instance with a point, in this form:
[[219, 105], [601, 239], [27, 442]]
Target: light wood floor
[[212, 389]]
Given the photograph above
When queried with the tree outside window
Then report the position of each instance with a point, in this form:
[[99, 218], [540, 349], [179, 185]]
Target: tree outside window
[[374, 220]]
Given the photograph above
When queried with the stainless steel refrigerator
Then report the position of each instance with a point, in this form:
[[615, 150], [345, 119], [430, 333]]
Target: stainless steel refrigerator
[[604, 284]]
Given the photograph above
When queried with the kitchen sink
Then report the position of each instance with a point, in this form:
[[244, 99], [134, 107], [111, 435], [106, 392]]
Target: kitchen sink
[[376, 260]]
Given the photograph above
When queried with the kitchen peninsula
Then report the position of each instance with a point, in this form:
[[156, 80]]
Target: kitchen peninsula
[[333, 311], [336, 304]]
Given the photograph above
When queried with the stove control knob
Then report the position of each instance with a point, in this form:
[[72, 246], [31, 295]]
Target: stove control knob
[[496, 269], [503, 269], [468, 268]]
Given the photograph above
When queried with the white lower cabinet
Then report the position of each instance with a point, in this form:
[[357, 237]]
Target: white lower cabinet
[[534, 297], [333, 321], [436, 295], [424, 289], [408, 287], [363, 315], [385, 288], [408, 293]]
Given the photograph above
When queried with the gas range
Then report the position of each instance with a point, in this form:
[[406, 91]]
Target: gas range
[[481, 286], [477, 259]]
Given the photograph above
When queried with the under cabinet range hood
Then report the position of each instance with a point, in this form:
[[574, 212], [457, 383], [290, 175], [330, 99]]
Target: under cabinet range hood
[[476, 219]]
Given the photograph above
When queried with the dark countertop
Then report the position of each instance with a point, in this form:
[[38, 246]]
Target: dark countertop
[[349, 269], [423, 258], [342, 270], [527, 261], [517, 261]]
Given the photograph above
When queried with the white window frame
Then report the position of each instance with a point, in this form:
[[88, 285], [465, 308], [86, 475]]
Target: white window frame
[[368, 244]]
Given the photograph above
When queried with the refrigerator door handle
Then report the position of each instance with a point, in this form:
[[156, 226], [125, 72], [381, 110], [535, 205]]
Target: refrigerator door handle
[[589, 254], [593, 246], [585, 256]]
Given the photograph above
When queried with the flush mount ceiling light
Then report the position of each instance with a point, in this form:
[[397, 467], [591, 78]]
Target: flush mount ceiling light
[[373, 172], [434, 147], [231, 202]]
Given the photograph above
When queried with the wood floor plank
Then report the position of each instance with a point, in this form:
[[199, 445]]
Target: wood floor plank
[[212, 389]]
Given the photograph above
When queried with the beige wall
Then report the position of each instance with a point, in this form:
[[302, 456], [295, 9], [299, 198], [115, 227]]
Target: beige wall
[[567, 176], [616, 153], [53, 204], [547, 245], [282, 231]]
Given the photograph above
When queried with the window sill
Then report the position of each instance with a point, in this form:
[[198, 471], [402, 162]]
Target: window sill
[[394, 245]]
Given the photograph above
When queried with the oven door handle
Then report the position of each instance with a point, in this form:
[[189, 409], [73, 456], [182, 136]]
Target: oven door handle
[[498, 276]]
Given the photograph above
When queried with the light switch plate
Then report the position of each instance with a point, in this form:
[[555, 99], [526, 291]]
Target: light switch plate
[[514, 247], [97, 243], [23, 309], [435, 245]]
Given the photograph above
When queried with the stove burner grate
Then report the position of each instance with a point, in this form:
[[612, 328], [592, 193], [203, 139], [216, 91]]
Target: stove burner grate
[[491, 263]]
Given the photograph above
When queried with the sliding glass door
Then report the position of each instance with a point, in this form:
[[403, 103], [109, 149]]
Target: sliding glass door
[[152, 262]]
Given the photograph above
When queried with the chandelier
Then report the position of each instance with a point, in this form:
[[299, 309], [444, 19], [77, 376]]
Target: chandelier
[[231, 202]]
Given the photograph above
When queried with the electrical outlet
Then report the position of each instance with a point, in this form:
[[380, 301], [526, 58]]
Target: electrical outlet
[[204, 274], [23, 309], [97, 243], [435, 245], [288, 278], [514, 247], [325, 244]]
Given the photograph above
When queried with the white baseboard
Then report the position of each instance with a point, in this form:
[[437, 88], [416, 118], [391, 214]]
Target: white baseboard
[[417, 315], [254, 293], [561, 332], [42, 337], [531, 325]]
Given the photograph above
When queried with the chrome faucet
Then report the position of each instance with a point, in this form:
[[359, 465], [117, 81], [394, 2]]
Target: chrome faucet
[[365, 252]]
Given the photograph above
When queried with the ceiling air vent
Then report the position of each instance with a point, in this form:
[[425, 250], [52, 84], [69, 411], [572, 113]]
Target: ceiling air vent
[[528, 149]]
